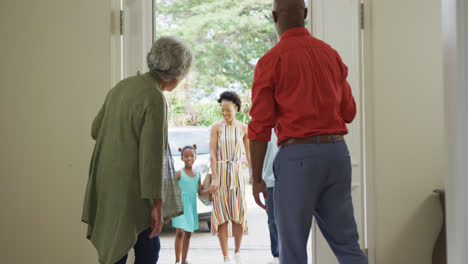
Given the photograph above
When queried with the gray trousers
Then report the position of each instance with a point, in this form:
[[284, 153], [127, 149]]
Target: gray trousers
[[315, 180]]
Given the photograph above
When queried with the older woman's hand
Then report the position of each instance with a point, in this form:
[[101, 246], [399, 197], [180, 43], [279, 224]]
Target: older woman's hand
[[156, 218], [214, 186]]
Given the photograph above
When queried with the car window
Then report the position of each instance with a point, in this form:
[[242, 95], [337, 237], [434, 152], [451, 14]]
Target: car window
[[188, 137]]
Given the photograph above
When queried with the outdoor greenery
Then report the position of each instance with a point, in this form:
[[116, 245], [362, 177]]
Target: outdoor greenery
[[227, 37]]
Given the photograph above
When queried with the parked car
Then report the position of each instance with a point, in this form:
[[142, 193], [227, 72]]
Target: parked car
[[187, 136]]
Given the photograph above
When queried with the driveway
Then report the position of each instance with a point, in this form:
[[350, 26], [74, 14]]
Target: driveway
[[204, 248]]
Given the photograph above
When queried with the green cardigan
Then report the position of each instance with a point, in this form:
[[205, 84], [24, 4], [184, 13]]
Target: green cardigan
[[130, 166]]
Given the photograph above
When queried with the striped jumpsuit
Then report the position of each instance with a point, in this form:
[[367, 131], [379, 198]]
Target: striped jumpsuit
[[229, 203]]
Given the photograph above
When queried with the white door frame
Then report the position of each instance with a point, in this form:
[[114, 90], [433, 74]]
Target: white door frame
[[138, 26], [367, 108], [137, 35], [116, 44], [369, 161], [132, 35], [455, 67]]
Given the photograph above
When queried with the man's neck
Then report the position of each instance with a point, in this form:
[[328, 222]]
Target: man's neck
[[288, 27]]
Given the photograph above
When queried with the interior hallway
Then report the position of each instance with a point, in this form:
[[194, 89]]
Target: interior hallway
[[55, 71]]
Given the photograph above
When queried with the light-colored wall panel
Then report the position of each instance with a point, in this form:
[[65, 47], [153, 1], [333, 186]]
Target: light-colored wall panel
[[408, 128], [455, 39], [55, 71]]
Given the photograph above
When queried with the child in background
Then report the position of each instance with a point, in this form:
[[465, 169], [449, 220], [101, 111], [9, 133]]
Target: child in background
[[190, 185], [269, 179]]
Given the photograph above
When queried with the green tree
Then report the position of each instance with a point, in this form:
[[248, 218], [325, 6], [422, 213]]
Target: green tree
[[227, 36]]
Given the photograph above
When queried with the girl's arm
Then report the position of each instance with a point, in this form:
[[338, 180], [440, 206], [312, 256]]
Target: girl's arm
[[213, 158], [202, 191]]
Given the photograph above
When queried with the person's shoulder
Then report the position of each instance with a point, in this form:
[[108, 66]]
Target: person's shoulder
[[122, 85], [244, 127], [126, 89], [215, 126], [272, 53], [136, 80], [324, 46], [155, 103], [139, 86], [271, 56]]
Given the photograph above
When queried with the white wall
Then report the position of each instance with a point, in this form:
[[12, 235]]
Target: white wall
[[408, 124], [455, 36], [54, 73]]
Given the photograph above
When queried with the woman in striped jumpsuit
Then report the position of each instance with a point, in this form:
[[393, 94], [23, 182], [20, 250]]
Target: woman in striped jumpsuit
[[227, 142]]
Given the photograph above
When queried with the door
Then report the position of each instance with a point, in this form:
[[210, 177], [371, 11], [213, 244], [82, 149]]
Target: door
[[136, 29], [137, 32], [455, 39], [338, 22]]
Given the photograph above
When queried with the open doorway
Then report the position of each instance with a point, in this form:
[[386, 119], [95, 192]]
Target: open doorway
[[228, 37]]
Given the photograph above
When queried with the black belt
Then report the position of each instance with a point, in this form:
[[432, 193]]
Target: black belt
[[318, 139]]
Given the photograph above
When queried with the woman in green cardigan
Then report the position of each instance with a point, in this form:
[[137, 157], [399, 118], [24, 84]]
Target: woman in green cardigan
[[132, 184]]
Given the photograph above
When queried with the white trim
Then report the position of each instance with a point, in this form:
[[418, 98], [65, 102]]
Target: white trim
[[369, 161], [366, 140], [455, 67], [116, 58], [138, 35], [310, 13], [316, 17], [153, 21]]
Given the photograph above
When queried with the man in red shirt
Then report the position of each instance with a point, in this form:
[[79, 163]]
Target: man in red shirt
[[300, 89]]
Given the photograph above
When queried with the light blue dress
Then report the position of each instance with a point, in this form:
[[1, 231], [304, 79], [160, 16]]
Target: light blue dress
[[189, 187]]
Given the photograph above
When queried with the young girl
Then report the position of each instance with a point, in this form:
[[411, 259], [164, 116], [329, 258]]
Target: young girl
[[190, 184]]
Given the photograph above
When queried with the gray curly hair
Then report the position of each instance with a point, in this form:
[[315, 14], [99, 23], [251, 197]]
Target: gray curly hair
[[169, 58]]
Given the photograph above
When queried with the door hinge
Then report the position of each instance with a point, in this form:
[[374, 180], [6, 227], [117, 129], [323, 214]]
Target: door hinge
[[362, 15], [121, 22]]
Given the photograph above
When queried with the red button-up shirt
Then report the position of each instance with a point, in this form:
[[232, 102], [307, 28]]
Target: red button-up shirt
[[300, 88]]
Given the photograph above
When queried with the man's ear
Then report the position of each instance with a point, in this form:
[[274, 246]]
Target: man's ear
[[305, 13], [275, 16]]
